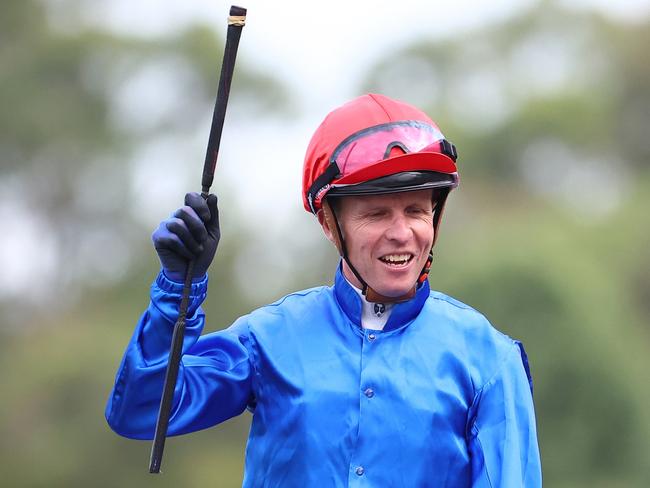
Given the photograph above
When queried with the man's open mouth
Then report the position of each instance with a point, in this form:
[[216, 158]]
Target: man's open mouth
[[397, 259]]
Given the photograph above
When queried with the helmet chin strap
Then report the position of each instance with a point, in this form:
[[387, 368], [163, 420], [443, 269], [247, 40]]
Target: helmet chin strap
[[369, 293]]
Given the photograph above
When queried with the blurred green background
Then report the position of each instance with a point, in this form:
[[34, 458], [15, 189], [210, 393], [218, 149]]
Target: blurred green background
[[548, 234]]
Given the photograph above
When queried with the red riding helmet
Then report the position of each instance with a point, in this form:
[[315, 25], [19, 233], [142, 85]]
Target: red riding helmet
[[371, 137]]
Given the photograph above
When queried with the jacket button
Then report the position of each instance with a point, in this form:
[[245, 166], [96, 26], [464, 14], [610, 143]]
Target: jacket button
[[369, 392], [371, 337], [359, 470]]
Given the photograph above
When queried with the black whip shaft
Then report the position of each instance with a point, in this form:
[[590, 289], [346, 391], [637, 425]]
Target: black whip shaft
[[236, 21], [173, 364]]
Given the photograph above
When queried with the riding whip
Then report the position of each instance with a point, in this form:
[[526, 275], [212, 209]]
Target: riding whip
[[236, 21]]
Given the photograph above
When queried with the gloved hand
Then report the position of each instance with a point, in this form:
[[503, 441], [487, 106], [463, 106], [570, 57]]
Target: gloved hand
[[192, 232]]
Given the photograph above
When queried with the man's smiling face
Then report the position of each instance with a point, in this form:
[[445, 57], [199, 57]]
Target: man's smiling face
[[388, 238]]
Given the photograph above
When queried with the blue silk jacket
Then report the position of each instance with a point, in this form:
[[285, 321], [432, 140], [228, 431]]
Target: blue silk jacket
[[439, 398]]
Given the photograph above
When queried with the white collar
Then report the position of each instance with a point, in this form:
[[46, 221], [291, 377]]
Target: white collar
[[373, 315]]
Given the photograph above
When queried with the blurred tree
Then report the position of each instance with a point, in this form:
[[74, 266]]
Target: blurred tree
[[81, 108]]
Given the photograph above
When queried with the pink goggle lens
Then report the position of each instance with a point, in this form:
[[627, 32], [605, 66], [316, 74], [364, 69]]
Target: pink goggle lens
[[376, 143]]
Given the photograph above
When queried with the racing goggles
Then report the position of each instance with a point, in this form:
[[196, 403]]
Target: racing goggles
[[371, 153]]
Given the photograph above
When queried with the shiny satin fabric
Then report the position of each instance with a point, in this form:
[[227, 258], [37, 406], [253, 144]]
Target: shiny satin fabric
[[439, 398]]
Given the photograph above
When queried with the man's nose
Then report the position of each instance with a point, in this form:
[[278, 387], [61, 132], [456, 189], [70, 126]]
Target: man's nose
[[399, 229]]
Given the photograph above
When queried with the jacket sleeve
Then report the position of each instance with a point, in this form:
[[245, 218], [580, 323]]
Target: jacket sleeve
[[502, 434], [214, 378]]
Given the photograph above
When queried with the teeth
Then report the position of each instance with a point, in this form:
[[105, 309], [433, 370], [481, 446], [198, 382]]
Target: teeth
[[396, 258]]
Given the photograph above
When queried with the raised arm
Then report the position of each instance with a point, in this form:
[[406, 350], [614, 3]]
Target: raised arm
[[214, 376]]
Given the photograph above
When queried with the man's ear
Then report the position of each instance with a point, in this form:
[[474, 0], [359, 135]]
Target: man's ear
[[325, 225], [327, 220]]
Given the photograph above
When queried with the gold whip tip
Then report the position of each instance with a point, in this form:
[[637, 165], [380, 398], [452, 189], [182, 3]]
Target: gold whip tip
[[238, 20]]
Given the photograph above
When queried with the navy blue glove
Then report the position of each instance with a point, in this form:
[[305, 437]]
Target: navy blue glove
[[192, 232]]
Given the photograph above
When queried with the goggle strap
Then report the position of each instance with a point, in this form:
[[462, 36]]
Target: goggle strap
[[448, 149], [320, 183]]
